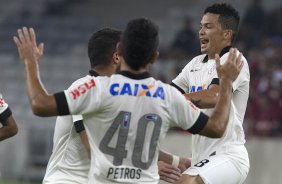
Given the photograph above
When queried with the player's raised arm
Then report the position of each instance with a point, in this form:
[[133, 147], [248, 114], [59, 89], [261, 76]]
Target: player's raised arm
[[41, 102], [227, 73]]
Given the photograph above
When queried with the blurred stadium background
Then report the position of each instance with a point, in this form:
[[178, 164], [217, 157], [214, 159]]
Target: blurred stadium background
[[65, 26]]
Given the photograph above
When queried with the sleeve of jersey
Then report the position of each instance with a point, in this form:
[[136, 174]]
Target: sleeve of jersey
[[5, 111], [180, 81], [186, 115], [82, 97], [243, 77]]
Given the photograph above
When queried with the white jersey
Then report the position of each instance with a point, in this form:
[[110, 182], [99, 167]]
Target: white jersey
[[125, 120], [69, 163], [5, 111], [198, 75], [3, 104]]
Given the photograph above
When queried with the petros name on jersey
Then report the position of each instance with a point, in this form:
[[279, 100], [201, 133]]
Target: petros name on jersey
[[124, 173], [137, 90]]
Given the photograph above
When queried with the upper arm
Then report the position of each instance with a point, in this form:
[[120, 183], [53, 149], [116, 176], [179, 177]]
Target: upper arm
[[45, 106]]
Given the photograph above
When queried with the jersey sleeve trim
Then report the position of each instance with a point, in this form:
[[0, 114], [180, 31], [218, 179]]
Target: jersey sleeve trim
[[199, 124], [79, 127], [215, 81], [5, 115], [177, 87], [62, 105]]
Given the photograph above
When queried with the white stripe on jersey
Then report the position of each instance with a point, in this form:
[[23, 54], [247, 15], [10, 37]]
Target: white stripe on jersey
[[125, 120]]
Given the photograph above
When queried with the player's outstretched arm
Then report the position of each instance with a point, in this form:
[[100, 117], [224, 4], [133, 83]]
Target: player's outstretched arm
[[41, 103], [227, 73]]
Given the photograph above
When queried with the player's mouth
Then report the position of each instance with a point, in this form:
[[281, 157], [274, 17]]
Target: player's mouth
[[204, 43]]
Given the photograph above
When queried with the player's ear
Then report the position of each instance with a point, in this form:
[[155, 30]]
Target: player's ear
[[154, 57], [118, 48], [227, 33], [116, 58]]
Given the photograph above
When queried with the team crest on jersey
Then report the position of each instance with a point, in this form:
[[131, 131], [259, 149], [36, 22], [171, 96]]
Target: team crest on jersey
[[211, 70], [137, 90], [82, 88]]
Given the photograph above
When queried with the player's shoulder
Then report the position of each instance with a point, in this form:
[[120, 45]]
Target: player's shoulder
[[194, 61], [81, 80], [168, 88], [225, 56], [199, 58]]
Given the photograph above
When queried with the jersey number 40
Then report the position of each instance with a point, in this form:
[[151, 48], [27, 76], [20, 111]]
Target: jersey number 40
[[121, 126]]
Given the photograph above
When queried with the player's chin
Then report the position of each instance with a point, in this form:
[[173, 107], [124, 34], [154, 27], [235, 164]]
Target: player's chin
[[203, 50]]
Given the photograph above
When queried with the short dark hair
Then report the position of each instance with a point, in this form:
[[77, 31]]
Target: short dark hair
[[228, 16], [139, 42], [102, 45]]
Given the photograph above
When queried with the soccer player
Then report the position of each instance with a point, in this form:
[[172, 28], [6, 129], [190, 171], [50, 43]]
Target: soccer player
[[69, 162], [9, 126], [223, 160], [126, 115]]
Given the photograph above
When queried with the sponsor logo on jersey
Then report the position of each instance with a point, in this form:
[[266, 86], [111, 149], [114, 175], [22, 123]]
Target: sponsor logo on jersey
[[137, 90], [211, 70], [126, 120], [194, 70], [82, 88], [151, 117], [198, 88]]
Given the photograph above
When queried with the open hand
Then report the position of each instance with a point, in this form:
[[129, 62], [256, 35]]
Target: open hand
[[168, 172], [28, 49], [232, 67]]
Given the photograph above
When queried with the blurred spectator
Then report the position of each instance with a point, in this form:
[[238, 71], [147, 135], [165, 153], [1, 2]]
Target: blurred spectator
[[273, 21], [186, 42], [251, 28]]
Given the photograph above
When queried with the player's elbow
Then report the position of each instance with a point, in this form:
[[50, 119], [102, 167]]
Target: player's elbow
[[12, 126], [13, 131], [38, 109]]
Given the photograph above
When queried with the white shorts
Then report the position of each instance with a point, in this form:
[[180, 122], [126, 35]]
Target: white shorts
[[217, 169]]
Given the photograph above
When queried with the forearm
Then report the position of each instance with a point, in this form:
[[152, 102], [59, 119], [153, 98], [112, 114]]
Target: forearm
[[42, 104], [203, 99], [165, 157], [218, 120]]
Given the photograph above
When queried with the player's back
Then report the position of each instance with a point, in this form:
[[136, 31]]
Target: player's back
[[130, 114], [68, 163]]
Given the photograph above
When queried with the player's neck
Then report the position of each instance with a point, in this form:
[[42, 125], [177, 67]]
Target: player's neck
[[125, 67], [104, 71]]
